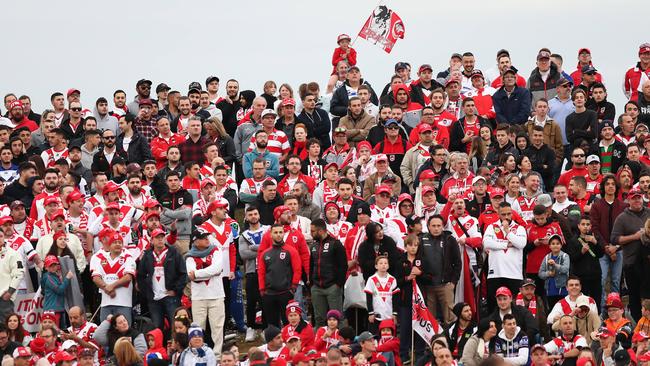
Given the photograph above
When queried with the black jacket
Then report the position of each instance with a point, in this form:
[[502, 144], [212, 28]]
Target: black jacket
[[266, 208], [495, 152], [327, 260], [229, 112], [417, 95], [524, 317], [340, 99], [69, 134], [227, 151], [513, 109], [404, 270], [101, 164], [17, 191], [644, 109], [584, 265], [540, 157], [321, 125], [139, 149], [367, 256], [604, 109], [458, 132], [288, 128], [354, 209], [175, 272], [451, 257], [474, 208]]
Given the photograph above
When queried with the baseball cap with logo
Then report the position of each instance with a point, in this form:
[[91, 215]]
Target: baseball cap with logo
[[644, 48], [267, 112], [383, 189], [496, 192], [593, 159], [543, 55], [21, 352], [503, 291], [425, 67], [635, 192], [342, 37], [195, 85]]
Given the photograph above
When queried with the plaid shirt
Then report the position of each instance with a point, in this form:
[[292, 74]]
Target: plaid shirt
[[193, 151], [146, 128]]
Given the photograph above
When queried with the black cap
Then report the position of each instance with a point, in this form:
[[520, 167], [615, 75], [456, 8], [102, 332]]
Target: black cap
[[199, 235], [511, 69], [364, 208], [503, 52], [606, 123], [528, 282], [143, 81], [588, 69], [563, 81], [162, 87], [401, 65], [194, 86], [389, 178], [118, 160], [74, 147], [211, 79], [354, 68]]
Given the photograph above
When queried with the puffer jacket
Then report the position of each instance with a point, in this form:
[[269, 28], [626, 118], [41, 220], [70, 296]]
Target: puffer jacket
[[543, 89]]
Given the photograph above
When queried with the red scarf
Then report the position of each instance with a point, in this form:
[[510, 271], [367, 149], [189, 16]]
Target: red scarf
[[532, 305]]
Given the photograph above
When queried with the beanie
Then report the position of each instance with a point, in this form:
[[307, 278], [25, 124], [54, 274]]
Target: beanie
[[271, 332]]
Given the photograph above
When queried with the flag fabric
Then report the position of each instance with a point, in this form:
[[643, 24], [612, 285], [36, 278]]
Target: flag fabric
[[423, 322], [384, 27]]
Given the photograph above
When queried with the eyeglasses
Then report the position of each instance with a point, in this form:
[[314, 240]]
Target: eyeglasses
[[579, 155], [109, 137], [75, 109], [393, 127]]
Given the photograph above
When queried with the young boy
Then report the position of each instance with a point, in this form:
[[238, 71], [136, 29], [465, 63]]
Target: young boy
[[328, 335], [155, 344], [389, 343], [297, 326], [585, 253], [555, 271], [644, 323], [381, 292], [344, 52]]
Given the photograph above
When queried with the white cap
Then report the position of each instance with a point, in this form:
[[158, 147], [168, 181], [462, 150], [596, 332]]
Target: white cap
[[478, 178], [69, 344], [268, 111], [592, 158]]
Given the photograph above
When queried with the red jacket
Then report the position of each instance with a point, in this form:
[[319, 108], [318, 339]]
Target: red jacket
[[283, 186], [293, 238], [27, 123], [160, 146], [632, 80], [337, 57], [322, 345], [537, 254], [389, 344], [295, 266], [440, 134], [304, 330]]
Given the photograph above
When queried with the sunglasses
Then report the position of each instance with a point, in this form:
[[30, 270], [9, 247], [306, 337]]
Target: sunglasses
[[75, 109], [393, 127], [579, 155], [109, 137]]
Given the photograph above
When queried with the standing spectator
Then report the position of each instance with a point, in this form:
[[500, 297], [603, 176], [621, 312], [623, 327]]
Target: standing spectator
[[163, 141], [318, 118], [54, 286], [192, 147], [132, 142], [145, 123], [505, 239], [582, 123], [267, 201], [584, 59], [599, 103], [542, 157], [626, 233], [327, 258], [578, 159], [585, 254], [554, 270], [342, 95], [511, 102], [635, 75], [611, 151], [204, 269], [560, 106], [552, 131], [543, 79], [357, 122], [177, 207]]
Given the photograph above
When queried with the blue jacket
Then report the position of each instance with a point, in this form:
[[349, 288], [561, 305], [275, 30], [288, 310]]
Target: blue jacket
[[53, 291], [272, 164], [515, 109], [561, 268]]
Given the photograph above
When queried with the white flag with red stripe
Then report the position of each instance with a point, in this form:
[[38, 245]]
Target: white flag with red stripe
[[423, 322]]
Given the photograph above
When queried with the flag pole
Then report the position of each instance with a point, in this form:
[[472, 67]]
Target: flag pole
[[412, 335], [357, 36]]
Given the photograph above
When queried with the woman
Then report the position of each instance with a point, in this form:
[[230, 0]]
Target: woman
[[16, 332], [513, 184], [377, 244], [313, 164], [477, 153], [479, 346], [487, 137], [507, 165], [116, 327], [124, 354], [61, 249], [270, 88], [350, 173], [217, 133], [286, 92], [364, 162], [181, 324], [524, 165], [300, 141], [521, 142]]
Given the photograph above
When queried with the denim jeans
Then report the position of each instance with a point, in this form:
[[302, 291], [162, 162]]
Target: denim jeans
[[114, 310], [298, 296], [163, 308], [616, 267]]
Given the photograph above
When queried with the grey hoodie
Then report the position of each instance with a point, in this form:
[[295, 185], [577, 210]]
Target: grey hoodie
[[107, 122]]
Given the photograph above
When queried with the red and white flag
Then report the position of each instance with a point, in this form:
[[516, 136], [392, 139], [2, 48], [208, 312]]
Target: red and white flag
[[423, 322], [384, 27]]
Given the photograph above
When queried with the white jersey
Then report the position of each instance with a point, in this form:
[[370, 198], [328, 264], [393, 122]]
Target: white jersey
[[382, 290], [505, 249], [111, 270]]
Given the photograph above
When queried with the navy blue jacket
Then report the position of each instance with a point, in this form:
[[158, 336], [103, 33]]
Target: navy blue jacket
[[515, 109]]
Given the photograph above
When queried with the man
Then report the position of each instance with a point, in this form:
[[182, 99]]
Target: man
[[463, 132], [58, 150], [11, 349], [27, 109], [144, 123], [504, 146], [453, 88], [80, 330], [543, 79], [251, 187], [72, 127], [578, 160], [582, 123], [364, 94], [11, 275], [543, 159], [119, 101], [393, 145], [318, 118], [102, 160], [204, 268], [552, 130], [635, 75], [294, 174], [599, 103], [505, 239], [561, 106], [229, 105], [479, 202], [437, 165], [609, 350], [455, 63], [579, 194], [538, 355], [90, 147], [357, 122], [177, 207], [627, 233], [503, 64], [192, 147], [306, 207], [328, 257], [615, 320], [341, 98], [113, 271], [288, 119], [19, 189], [278, 275], [212, 87], [163, 141], [249, 242], [278, 142], [296, 221], [460, 331], [568, 305], [563, 205], [417, 155], [143, 91], [511, 102], [271, 162], [566, 348], [505, 307], [422, 87], [412, 111], [104, 119], [131, 141], [19, 118], [179, 125], [512, 342], [161, 277], [461, 181], [173, 165], [584, 60], [246, 131], [267, 201], [51, 179], [340, 153], [611, 150], [527, 299], [441, 252], [8, 170], [626, 134]]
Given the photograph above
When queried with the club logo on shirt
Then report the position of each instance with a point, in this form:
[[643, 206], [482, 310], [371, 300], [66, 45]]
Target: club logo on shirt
[[326, 246], [180, 201], [417, 263], [295, 239], [283, 255]]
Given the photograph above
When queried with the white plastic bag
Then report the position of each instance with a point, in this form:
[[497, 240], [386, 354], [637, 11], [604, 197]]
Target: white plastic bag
[[353, 294]]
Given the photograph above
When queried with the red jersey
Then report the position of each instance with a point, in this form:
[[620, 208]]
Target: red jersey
[[159, 146], [537, 254], [303, 330], [566, 176]]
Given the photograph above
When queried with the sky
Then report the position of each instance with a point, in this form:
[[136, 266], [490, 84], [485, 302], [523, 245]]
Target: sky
[[99, 47]]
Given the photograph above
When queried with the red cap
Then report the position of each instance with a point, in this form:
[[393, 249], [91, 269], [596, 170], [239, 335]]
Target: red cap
[[145, 102], [333, 204], [157, 231], [37, 344], [503, 291], [427, 189], [278, 211], [614, 301], [63, 356], [6, 219], [51, 260], [288, 101], [115, 236], [425, 67], [48, 315], [50, 200], [73, 91], [634, 192], [640, 336], [381, 157], [584, 50], [15, 104], [496, 192], [293, 307], [57, 235], [21, 352], [110, 187], [342, 37], [220, 203], [331, 165], [207, 181], [365, 144], [404, 197], [73, 196], [58, 213], [151, 203], [152, 214], [103, 233], [644, 48], [383, 189], [425, 127], [604, 332], [451, 81], [113, 206], [427, 174]]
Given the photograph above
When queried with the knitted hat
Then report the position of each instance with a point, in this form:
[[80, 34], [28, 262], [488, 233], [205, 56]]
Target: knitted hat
[[195, 331], [271, 332], [293, 307], [334, 314]]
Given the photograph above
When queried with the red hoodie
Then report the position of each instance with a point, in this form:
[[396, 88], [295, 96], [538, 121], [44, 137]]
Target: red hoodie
[[536, 255], [389, 344], [410, 106], [157, 351], [292, 237]]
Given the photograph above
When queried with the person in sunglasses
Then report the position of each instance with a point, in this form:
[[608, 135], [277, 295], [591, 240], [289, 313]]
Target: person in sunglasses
[[578, 158]]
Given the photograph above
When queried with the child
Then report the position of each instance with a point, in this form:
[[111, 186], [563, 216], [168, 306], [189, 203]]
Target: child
[[381, 291], [644, 323], [328, 335], [179, 343], [54, 286], [555, 271], [585, 253], [344, 52], [388, 341], [297, 326], [155, 343]]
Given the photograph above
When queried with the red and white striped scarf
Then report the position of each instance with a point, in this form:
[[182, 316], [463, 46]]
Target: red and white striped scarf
[[532, 305]]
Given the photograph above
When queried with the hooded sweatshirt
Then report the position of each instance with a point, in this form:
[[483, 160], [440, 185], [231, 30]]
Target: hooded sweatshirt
[[106, 122], [390, 343], [413, 112], [158, 350], [514, 350]]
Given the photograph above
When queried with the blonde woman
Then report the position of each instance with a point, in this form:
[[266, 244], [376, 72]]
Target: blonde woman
[[270, 88], [225, 144], [124, 354], [286, 92]]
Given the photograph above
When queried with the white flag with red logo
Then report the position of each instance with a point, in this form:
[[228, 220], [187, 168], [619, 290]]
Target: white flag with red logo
[[384, 27], [423, 322]]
